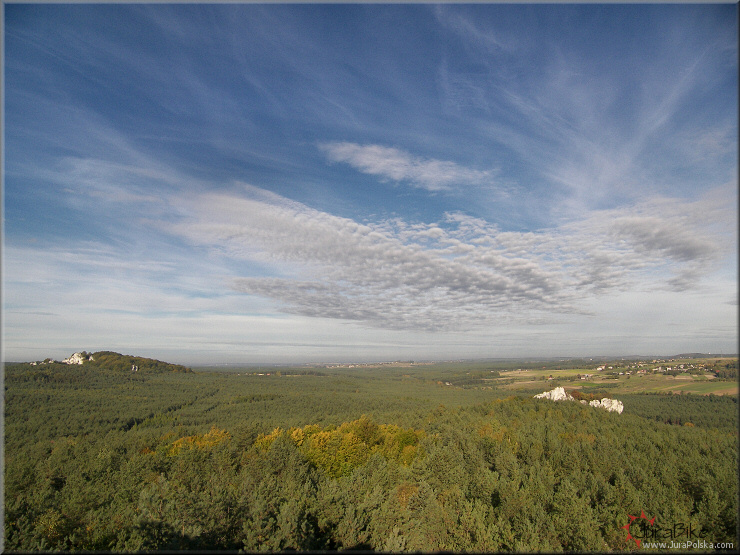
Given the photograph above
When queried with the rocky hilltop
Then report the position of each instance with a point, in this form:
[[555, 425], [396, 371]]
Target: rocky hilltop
[[77, 358], [109, 360], [559, 394]]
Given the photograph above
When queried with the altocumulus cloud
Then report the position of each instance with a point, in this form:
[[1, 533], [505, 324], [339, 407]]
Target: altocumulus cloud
[[397, 165], [458, 274]]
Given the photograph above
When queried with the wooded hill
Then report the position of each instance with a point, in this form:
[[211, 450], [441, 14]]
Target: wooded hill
[[108, 361]]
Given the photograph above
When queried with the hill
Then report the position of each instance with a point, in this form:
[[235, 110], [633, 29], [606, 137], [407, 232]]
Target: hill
[[109, 360], [115, 362]]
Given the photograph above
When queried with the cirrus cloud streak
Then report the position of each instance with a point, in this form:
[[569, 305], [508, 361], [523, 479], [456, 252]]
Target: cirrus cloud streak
[[400, 166]]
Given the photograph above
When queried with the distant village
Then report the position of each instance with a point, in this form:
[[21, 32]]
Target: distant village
[[644, 368], [376, 364]]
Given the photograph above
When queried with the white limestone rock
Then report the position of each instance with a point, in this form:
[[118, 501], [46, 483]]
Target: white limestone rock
[[612, 405], [559, 394], [77, 358]]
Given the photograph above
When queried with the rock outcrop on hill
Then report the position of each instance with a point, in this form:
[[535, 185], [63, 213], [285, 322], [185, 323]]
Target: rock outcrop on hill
[[116, 362], [559, 394], [77, 358], [612, 405]]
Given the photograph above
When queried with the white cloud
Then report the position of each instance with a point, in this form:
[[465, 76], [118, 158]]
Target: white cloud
[[360, 272], [454, 275], [397, 165]]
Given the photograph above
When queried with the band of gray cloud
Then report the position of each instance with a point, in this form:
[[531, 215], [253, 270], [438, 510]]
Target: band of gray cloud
[[452, 275]]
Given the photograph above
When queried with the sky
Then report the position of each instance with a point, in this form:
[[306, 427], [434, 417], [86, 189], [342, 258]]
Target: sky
[[243, 183]]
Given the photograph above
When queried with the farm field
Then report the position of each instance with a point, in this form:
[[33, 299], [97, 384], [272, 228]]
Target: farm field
[[453, 456], [695, 381]]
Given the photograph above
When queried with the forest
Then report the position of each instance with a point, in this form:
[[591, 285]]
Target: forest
[[434, 457]]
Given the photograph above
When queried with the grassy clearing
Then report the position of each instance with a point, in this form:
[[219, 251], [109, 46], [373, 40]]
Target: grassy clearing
[[703, 388]]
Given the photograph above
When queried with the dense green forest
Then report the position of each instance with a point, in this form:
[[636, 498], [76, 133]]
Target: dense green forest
[[389, 459]]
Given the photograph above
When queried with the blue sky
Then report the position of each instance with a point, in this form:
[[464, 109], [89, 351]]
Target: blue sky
[[301, 183]]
